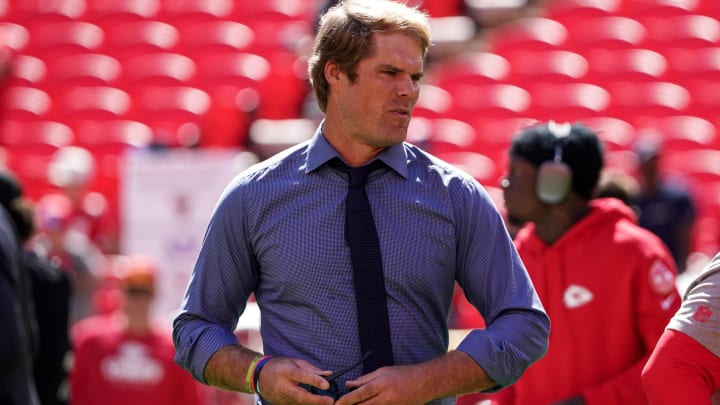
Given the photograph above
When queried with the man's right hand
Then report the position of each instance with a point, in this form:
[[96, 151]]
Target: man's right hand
[[279, 382]]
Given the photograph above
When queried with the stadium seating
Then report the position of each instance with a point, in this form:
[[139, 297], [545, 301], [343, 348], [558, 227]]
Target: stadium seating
[[128, 39], [568, 12], [203, 72], [527, 34], [609, 33]]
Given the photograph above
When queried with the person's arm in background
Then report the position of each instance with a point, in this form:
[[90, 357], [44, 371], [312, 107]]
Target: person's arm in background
[[653, 310], [685, 364], [681, 371]]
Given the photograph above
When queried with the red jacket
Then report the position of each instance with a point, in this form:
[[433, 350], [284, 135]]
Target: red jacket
[[609, 289]]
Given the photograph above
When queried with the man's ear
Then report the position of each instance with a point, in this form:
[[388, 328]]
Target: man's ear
[[332, 72]]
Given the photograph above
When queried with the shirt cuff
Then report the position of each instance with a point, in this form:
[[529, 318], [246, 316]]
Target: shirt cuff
[[196, 341]]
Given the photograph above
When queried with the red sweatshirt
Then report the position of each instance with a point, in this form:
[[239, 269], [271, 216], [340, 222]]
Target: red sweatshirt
[[114, 368], [609, 289]]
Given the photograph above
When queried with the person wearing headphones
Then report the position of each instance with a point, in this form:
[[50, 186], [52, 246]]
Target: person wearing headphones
[[607, 284]]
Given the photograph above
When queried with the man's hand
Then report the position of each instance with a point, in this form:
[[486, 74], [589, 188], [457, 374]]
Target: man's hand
[[280, 378], [395, 385]]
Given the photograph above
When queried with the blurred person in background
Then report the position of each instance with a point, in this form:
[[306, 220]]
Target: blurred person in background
[[607, 284], [51, 295], [666, 207], [130, 360], [684, 367], [72, 170], [279, 234], [19, 335], [69, 250], [617, 184]]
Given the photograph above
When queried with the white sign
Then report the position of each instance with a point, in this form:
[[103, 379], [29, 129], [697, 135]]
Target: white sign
[[167, 198]]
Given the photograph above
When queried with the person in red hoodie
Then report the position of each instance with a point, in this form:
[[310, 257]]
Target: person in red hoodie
[[607, 284], [130, 360]]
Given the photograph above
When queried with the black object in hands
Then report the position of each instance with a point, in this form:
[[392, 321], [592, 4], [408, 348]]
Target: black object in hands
[[334, 391]]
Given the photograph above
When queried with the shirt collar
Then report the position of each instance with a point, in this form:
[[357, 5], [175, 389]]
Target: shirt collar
[[320, 152]]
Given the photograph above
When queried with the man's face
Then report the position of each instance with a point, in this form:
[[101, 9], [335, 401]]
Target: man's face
[[376, 108], [519, 190]]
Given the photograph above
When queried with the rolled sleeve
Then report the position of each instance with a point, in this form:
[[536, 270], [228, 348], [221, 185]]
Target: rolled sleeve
[[196, 340], [509, 346]]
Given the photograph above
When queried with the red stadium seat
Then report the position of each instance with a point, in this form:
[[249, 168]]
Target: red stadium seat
[[287, 76], [183, 13], [527, 34], [495, 135], [25, 103], [690, 31], [215, 36], [568, 101], [553, 66], [157, 69], [684, 132], [48, 40], [434, 102], [611, 32], [699, 165], [693, 65], [616, 134], [628, 64], [276, 30], [642, 101], [470, 67], [112, 135], [241, 70], [450, 135], [35, 13], [174, 113], [708, 7], [499, 100], [125, 40], [642, 9], [302, 9], [5, 10], [84, 69], [574, 11], [26, 70], [105, 12], [30, 164], [704, 99], [92, 103], [53, 134], [14, 36]]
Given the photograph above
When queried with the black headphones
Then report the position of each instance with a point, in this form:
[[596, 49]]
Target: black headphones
[[555, 176]]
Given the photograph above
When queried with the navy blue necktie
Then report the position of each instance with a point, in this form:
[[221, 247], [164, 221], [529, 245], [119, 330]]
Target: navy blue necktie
[[368, 277]]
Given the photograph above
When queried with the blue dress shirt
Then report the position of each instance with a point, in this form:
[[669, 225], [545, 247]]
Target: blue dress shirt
[[277, 232]]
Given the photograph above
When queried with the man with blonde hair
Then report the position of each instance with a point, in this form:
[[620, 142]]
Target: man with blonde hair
[[355, 282]]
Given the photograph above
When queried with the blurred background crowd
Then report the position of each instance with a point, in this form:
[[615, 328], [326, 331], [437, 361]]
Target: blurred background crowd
[[123, 120]]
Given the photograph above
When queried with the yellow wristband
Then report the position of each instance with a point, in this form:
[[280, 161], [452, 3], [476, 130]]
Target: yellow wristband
[[248, 378]]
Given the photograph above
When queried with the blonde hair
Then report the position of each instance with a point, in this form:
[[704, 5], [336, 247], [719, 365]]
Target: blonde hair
[[345, 36]]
